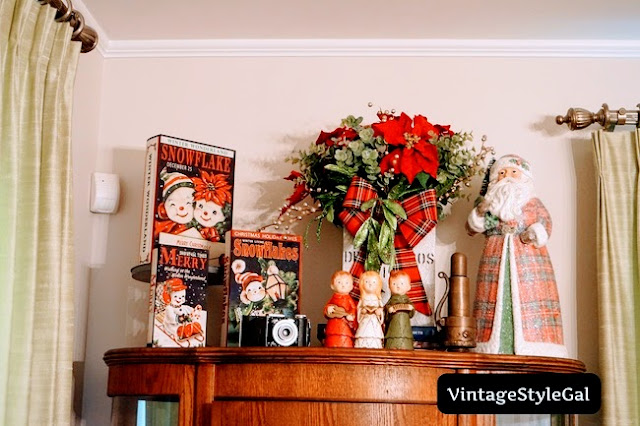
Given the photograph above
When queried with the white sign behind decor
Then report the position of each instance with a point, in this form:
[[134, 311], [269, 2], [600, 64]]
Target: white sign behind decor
[[431, 257]]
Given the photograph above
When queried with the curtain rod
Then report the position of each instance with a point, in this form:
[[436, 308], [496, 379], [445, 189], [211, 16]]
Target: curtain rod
[[579, 118], [86, 35]]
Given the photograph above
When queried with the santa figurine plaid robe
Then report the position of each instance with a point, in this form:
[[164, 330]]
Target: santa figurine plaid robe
[[525, 269]]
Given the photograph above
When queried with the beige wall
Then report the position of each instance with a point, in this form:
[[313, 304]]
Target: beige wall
[[266, 107], [85, 131]]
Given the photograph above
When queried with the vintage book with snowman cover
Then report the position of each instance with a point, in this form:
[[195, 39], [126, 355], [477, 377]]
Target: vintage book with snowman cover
[[188, 192], [262, 273], [177, 296]]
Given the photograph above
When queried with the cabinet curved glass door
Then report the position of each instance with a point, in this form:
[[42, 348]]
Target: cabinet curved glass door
[[145, 411], [533, 420]]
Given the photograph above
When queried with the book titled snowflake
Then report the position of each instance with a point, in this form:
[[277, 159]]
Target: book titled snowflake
[[188, 192]]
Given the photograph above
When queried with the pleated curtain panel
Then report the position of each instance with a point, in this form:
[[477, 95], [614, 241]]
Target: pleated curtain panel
[[39, 61], [617, 156]]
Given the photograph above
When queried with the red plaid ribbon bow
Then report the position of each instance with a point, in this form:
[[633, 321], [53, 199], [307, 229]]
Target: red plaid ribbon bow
[[422, 216]]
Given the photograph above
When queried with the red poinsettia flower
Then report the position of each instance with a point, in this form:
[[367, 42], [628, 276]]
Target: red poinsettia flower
[[444, 130], [414, 152], [339, 136], [300, 190], [212, 187]]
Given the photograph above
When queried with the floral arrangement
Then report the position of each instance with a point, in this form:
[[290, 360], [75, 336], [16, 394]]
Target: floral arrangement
[[394, 158]]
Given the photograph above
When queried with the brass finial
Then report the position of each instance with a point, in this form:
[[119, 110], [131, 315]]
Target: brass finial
[[579, 118]]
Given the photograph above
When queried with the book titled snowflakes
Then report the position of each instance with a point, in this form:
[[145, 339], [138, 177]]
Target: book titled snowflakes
[[177, 297], [262, 276], [188, 192]]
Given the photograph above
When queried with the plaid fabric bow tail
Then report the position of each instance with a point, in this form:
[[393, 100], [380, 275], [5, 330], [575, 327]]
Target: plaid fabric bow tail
[[422, 217]]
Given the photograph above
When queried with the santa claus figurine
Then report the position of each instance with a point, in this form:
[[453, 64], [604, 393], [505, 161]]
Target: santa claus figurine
[[517, 304]]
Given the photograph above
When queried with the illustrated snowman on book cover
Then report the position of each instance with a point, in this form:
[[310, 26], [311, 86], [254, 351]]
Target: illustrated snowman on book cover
[[187, 209], [178, 296], [262, 277], [188, 190]]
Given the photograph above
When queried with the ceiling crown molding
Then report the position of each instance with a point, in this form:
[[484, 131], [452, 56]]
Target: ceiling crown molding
[[370, 48], [358, 47]]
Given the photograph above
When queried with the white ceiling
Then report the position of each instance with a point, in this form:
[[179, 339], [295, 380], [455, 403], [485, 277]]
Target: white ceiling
[[366, 19]]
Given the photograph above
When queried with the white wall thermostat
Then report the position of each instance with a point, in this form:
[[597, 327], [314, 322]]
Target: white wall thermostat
[[105, 193]]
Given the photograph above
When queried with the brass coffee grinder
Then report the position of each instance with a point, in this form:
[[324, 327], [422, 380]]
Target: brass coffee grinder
[[458, 329]]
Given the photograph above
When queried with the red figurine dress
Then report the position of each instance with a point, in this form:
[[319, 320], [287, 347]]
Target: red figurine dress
[[340, 332]]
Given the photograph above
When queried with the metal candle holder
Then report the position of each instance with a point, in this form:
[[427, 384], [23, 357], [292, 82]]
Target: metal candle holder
[[459, 327]]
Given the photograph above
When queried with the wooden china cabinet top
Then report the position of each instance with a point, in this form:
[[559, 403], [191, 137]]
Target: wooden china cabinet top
[[459, 361]]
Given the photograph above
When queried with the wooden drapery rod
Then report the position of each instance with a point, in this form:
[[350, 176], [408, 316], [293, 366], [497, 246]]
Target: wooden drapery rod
[[86, 35], [579, 118]]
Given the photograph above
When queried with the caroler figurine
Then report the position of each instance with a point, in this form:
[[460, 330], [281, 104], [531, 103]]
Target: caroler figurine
[[399, 311], [517, 304], [340, 312], [370, 312]]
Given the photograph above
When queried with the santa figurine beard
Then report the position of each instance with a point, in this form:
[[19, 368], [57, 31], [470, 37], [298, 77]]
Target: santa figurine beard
[[506, 197]]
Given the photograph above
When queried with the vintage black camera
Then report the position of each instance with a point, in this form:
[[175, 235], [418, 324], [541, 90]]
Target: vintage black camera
[[275, 330]]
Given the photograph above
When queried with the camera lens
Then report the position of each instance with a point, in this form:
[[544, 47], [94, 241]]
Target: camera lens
[[285, 332]]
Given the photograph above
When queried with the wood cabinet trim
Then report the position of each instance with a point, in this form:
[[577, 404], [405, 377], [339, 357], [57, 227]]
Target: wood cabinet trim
[[418, 358]]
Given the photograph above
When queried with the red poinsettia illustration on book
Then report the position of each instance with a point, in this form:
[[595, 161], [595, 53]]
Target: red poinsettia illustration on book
[[211, 193]]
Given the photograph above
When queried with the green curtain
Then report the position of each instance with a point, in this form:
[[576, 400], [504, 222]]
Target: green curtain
[[617, 158], [36, 253]]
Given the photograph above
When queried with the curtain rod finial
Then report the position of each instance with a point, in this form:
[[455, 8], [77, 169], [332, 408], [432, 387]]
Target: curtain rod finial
[[577, 118]]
